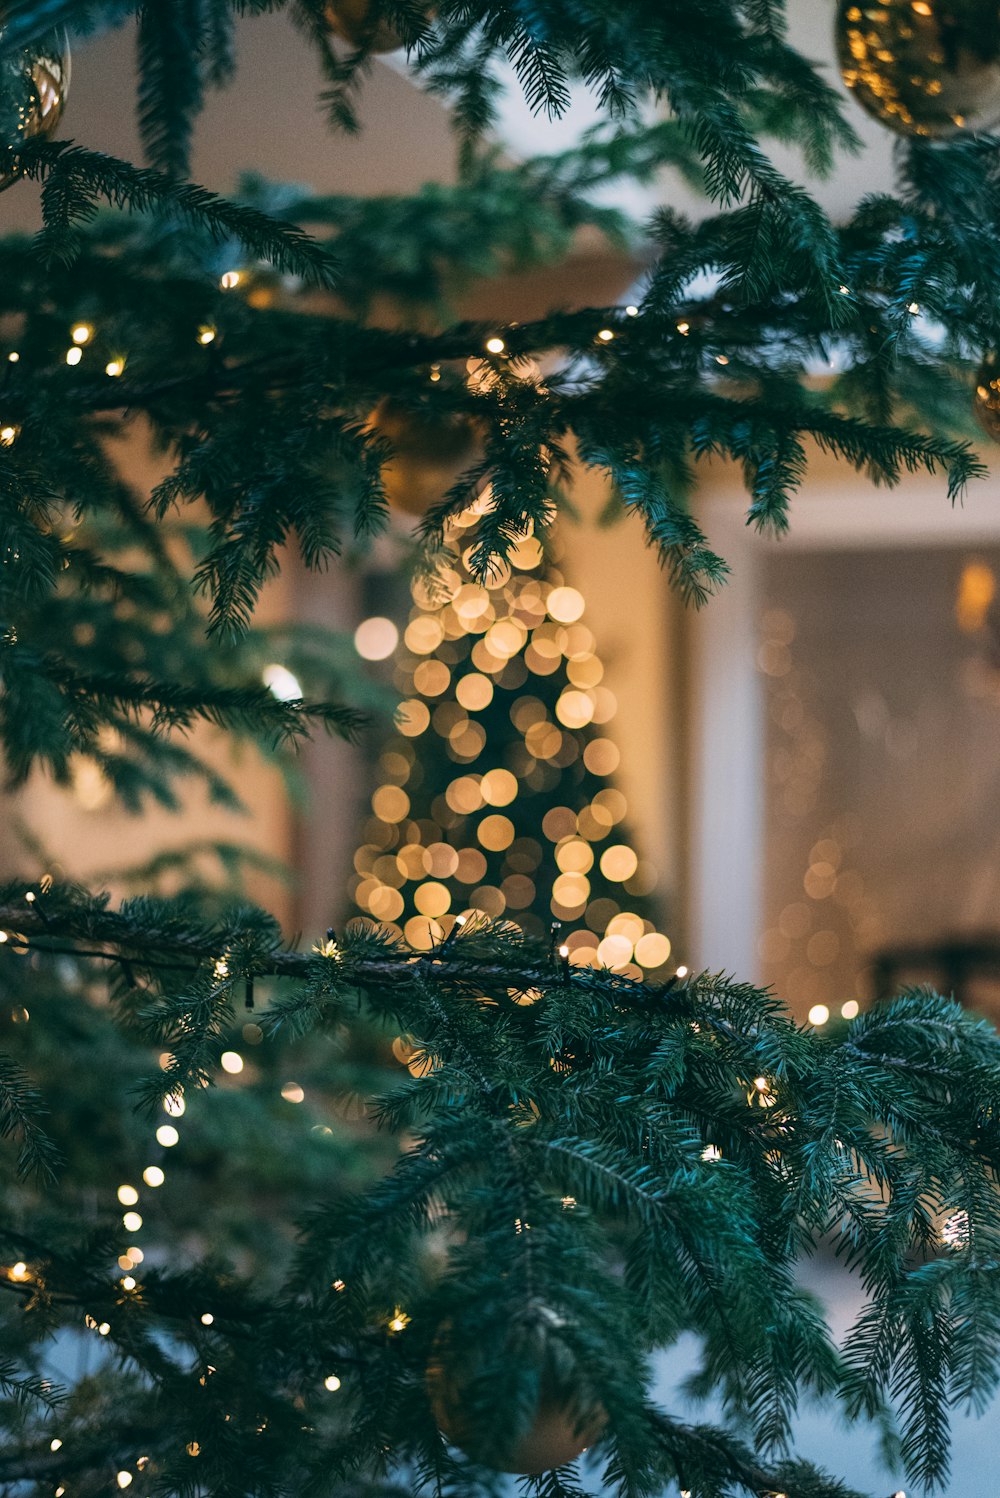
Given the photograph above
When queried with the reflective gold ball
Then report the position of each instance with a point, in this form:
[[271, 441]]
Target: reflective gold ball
[[987, 397], [33, 87], [431, 451], [923, 67], [351, 21], [562, 1425]]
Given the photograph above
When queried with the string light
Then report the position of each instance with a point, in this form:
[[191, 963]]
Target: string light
[[132, 1221], [229, 279], [167, 1136], [81, 332], [128, 1283], [128, 1196], [495, 345], [231, 1062], [818, 1015], [55, 1444], [684, 328], [13, 357], [114, 368], [19, 1271], [206, 335], [606, 335], [8, 436], [631, 311], [153, 1175], [74, 355], [850, 1009], [332, 1383], [104, 1329], [207, 1318], [400, 1321], [682, 972]]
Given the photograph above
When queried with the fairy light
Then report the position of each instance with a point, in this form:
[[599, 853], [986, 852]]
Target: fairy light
[[207, 1319], [206, 335], [683, 329], [495, 345], [631, 311], [8, 436], [55, 1444], [74, 355], [128, 1196], [282, 683], [331, 1383], [293, 1093], [851, 1009], [681, 972], [229, 279], [220, 971], [399, 1321], [19, 1271], [13, 357], [762, 1084], [711, 1153], [124, 1479], [167, 1136], [128, 1283], [132, 1221], [913, 308], [818, 1015], [340, 1286], [114, 368], [104, 1328], [81, 332], [231, 1062], [606, 335], [153, 1176]]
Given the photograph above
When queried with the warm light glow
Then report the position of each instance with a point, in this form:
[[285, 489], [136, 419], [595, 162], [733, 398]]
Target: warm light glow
[[104, 1328], [711, 1153], [82, 333], [631, 311], [682, 972], [400, 1321], [375, 639], [74, 355], [8, 436], [128, 1196], [124, 1479], [168, 1136], [850, 1009], [128, 1283], [281, 683], [132, 1222], [206, 335], [819, 1014], [761, 1084], [13, 357], [153, 1175], [652, 950], [495, 345], [564, 950], [207, 1319], [293, 1093], [684, 328], [55, 1445], [173, 1103], [332, 1382], [114, 368], [606, 335], [232, 1062], [565, 605], [230, 279]]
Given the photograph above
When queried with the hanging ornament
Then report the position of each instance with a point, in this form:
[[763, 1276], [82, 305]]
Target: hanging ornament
[[563, 1424], [923, 67], [33, 85], [987, 400], [351, 20], [431, 451]]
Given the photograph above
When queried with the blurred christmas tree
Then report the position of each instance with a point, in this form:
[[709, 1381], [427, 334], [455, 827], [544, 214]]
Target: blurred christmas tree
[[495, 793]]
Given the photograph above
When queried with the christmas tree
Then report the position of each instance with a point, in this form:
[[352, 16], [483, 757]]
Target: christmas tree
[[217, 1278], [514, 812]]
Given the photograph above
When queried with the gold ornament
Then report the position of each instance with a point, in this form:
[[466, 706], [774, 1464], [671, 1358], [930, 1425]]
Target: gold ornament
[[33, 86], [923, 67], [562, 1426], [351, 20], [430, 453], [987, 400]]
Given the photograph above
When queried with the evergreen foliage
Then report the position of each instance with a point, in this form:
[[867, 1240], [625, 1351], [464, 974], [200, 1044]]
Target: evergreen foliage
[[578, 1166]]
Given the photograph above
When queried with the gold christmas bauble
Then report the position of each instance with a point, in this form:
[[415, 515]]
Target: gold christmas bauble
[[351, 21], [560, 1428], [431, 451], [923, 67], [987, 397], [33, 87]]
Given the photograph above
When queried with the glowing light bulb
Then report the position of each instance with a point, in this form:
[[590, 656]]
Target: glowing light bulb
[[19, 1271], [55, 1445], [104, 1328], [207, 1319], [82, 332], [819, 1014], [8, 436], [684, 328], [114, 368], [232, 1062], [495, 345], [230, 279], [132, 1221], [631, 311], [761, 1084], [375, 639], [128, 1283], [682, 972], [400, 1321], [293, 1093], [564, 951], [74, 355], [332, 1383], [174, 1104], [606, 335], [12, 358], [128, 1196], [711, 1153], [168, 1136], [281, 683], [850, 1009], [124, 1479], [206, 335], [153, 1175]]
